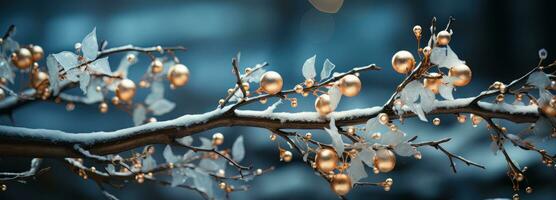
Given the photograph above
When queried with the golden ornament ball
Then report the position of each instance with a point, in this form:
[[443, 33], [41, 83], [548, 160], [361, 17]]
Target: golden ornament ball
[[309, 83], [462, 72], [427, 51], [350, 85], [298, 89], [287, 156], [157, 66], [103, 107], [22, 58], [40, 81], [37, 53], [550, 108], [433, 84], [341, 184], [271, 82], [326, 160], [217, 139], [385, 160], [417, 30], [125, 90], [403, 62], [322, 104], [178, 75], [443, 38]]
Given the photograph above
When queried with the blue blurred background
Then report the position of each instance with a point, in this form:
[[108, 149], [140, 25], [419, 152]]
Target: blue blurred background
[[499, 40]]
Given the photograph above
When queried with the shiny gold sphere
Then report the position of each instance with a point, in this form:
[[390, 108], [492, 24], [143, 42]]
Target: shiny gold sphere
[[417, 30], [125, 90], [403, 62], [309, 83], [39, 81], [103, 107], [287, 156], [341, 184], [433, 84], [271, 82], [462, 72], [550, 108], [350, 85], [385, 160], [22, 58], [157, 66], [217, 139], [443, 38], [37, 52], [427, 51], [326, 160], [178, 75], [322, 104]]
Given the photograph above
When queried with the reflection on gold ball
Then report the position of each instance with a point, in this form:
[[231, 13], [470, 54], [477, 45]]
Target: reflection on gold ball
[[39, 81], [403, 62], [385, 160], [322, 104], [417, 30], [37, 52], [287, 156], [178, 75], [433, 84], [125, 90], [217, 139], [22, 58], [326, 160], [550, 108], [103, 107], [350, 85], [462, 72], [271, 82], [443, 38], [341, 184], [427, 51], [157, 66]]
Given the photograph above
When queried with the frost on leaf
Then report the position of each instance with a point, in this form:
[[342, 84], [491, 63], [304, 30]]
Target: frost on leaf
[[543, 127], [447, 87], [404, 149], [372, 124], [237, 96], [157, 92], [335, 96], [410, 93], [538, 79], [426, 100], [53, 66], [93, 95], [89, 45], [161, 107], [201, 181], [84, 80], [238, 149], [6, 70], [273, 107], [445, 57], [208, 165], [327, 69], [148, 163], [308, 69], [139, 115], [125, 63], [366, 155], [415, 91], [187, 140], [356, 170], [337, 142], [101, 66], [67, 60], [255, 76], [169, 156], [392, 138], [205, 143]]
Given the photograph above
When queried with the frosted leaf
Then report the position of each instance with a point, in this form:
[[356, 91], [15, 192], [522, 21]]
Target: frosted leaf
[[356, 170], [139, 115], [327, 69], [187, 140], [538, 79], [445, 57], [52, 66], [169, 156], [67, 60], [178, 177], [427, 99], [126, 62], [367, 155], [84, 79], [305, 156], [308, 69], [73, 74], [205, 143], [237, 96], [188, 155], [161, 107], [202, 182], [208, 165], [238, 149], [372, 124], [221, 163], [255, 76], [392, 138], [148, 164], [93, 95], [337, 142], [6, 70], [494, 147], [404, 149], [544, 97], [419, 112], [10, 45], [543, 54], [89, 45], [110, 169], [271, 108], [411, 92], [157, 92], [446, 91], [335, 97], [101, 66], [543, 127]]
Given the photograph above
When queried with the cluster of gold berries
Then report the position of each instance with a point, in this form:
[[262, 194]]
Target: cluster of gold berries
[[349, 85]]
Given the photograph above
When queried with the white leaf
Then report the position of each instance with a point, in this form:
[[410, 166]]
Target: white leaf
[[238, 149], [538, 79], [543, 127], [203, 182], [335, 96], [157, 92], [337, 142], [148, 163], [255, 76], [6, 70], [89, 45], [205, 143], [67, 60], [139, 115], [237, 96], [419, 112], [110, 169], [101, 66], [372, 124], [161, 107], [308, 69], [73, 74], [427, 99], [187, 140], [125, 63], [327, 69], [544, 96], [392, 138], [446, 91], [178, 177], [84, 79], [356, 170], [411, 92], [208, 165], [404, 149], [169, 155], [367, 155], [93, 95], [445, 57], [189, 154]]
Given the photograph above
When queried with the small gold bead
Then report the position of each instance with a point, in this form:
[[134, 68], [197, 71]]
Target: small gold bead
[[436, 121]]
